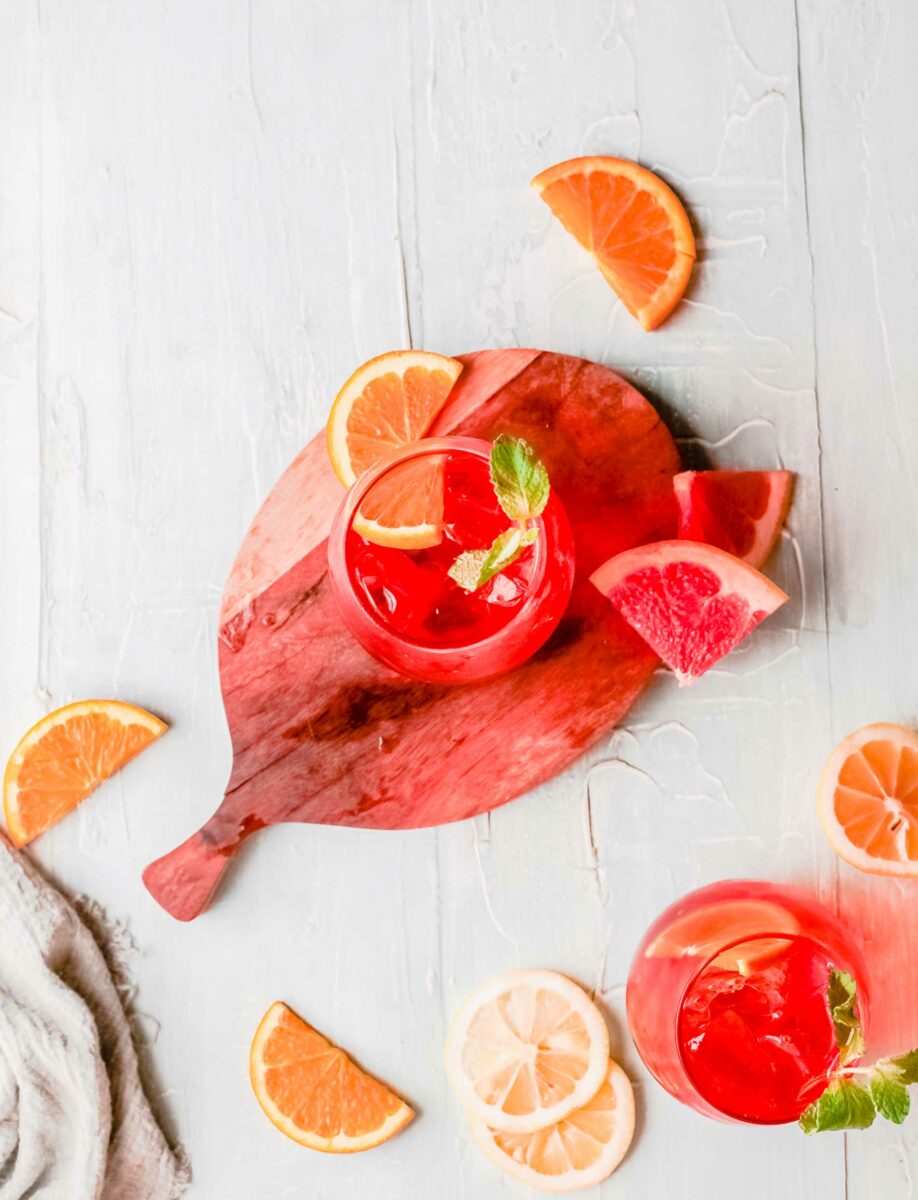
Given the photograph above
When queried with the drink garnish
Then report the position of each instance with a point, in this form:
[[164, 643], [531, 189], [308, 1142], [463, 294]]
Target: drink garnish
[[855, 1095], [521, 485]]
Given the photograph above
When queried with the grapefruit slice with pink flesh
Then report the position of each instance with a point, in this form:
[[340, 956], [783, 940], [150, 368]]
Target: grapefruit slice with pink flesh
[[691, 603], [741, 512]]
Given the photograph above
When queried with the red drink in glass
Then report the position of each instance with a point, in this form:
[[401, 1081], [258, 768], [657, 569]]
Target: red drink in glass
[[403, 606], [727, 999]]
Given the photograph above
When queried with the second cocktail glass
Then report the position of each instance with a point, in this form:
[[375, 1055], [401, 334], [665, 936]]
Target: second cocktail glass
[[400, 602], [727, 999]]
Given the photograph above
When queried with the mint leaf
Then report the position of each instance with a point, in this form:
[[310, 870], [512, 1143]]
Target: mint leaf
[[519, 478], [905, 1064], [474, 568], [841, 997], [889, 1094], [845, 1104]]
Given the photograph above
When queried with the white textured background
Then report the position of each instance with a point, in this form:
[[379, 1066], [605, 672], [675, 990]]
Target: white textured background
[[210, 212]]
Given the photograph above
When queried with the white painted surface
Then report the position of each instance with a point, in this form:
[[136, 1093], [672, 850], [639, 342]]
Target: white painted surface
[[209, 213]]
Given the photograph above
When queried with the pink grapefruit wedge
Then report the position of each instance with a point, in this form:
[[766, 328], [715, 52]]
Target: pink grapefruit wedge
[[691, 603], [741, 512]]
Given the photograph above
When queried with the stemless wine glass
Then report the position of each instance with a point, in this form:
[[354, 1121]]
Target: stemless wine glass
[[727, 999], [399, 601]]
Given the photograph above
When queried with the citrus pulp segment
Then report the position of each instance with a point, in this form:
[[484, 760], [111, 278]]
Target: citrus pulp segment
[[741, 512]]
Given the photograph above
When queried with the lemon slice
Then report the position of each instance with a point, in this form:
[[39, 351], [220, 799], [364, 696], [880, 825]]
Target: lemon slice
[[580, 1151], [526, 1049]]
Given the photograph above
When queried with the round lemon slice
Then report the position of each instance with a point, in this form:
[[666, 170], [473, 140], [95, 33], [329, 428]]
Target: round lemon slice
[[526, 1049]]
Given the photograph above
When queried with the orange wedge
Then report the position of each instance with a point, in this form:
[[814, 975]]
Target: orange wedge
[[314, 1094], [632, 223], [65, 756], [526, 1049], [868, 800], [404, 508], [579, 1151], [388, 402]]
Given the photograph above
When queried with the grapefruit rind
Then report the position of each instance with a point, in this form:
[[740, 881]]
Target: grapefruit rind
[[661, 302], [396, 362], [890, 809], [115, 710], [563, 991], [339, 1143], [768, 526], [513, 1159]]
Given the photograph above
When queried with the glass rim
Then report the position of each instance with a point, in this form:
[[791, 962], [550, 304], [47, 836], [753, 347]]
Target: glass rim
[[480, 448]]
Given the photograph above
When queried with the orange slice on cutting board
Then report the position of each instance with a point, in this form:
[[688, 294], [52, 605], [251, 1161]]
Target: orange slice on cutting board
[[314, 1093], [868, 799], [632, 223], [65, 756], [577, 1152], [388, 402]]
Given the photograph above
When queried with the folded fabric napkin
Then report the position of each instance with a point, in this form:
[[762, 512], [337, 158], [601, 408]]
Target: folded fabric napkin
[[74, 1121]]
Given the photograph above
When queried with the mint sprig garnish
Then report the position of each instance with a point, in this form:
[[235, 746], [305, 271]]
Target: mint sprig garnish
[[521, 485], [855, 1095], [842, 1000]]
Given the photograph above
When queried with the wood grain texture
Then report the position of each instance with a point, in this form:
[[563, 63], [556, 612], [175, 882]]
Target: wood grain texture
[[322, 733], [209, 213]]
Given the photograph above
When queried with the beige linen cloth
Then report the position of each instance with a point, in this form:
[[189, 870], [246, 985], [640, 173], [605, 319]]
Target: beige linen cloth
[[74, 1121]]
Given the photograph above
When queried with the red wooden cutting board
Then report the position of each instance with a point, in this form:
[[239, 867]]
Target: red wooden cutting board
[[322, 733]]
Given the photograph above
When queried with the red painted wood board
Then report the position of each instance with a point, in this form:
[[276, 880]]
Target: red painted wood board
[[323, 733]]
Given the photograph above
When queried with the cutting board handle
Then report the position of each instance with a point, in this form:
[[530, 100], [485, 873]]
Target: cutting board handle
[[184, 880]]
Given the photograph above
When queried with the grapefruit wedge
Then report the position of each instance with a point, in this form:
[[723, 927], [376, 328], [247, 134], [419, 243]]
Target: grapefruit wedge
[[632, 223], [690, 602], [741, 512]]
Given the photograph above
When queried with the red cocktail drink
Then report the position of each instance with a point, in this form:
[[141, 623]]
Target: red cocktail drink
[[400, 601], [727, 999]]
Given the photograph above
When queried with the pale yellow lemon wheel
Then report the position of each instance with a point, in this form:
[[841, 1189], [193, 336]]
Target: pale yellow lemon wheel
[[525, 1049], [577, 1152]]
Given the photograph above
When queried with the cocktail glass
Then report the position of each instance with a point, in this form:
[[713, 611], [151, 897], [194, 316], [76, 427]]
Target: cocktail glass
[[727, 999], [401, 604]]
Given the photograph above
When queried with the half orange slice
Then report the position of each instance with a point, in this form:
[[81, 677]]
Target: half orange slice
[[388, 402], [868, 799], [65, 756], [632, 223], [314, 1093]]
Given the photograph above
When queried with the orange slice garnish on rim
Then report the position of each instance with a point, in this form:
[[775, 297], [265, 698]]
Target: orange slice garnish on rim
[[868, 799], [65, 756], [387, 403], [312, 1091], [632, 223], [404, 507]]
